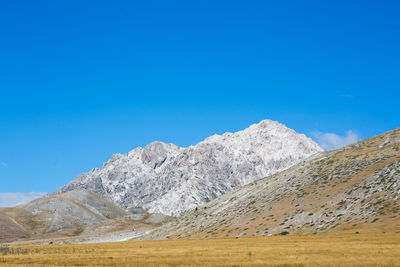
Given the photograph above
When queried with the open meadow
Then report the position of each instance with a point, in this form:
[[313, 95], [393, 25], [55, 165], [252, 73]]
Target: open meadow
[[345, 249]]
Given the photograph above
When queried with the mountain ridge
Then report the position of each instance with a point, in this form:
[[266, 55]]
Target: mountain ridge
[[165, 178], [355, 188]]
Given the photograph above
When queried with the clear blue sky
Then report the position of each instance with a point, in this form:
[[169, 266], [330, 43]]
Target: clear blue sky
[[82, 80]]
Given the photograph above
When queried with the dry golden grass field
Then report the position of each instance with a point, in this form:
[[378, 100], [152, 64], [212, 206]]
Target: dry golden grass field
[[345, 249]]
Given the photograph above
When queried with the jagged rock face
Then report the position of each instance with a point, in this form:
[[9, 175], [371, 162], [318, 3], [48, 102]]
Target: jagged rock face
[[164, 178]]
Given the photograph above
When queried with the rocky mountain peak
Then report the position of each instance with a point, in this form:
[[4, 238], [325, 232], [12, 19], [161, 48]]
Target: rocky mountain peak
[[351, 189], [165, 178]]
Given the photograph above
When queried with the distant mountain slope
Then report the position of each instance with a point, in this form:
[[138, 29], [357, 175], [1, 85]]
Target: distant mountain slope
[[164, 178], [64, 213], [10, 229], [353, 188]]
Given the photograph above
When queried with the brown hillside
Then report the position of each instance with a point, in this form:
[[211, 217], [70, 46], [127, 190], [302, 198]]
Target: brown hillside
[[65, 214], [356, 188]]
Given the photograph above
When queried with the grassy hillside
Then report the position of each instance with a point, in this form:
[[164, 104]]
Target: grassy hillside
[[67, 213], [355, 189], [10, 229]]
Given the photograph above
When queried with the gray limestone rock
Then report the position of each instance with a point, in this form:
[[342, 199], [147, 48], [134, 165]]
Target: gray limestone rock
[[165, 178]]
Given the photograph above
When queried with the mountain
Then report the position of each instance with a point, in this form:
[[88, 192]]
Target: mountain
[[165, 178], [67, 213], [10, 229], [356, 188]]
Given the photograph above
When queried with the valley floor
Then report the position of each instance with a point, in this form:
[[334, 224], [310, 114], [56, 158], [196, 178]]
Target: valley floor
[[340, 249]]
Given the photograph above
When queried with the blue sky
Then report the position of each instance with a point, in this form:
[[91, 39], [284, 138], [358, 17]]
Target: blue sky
[[82, 80]]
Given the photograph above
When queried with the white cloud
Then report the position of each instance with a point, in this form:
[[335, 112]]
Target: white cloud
[[331, 141], [346, 95], [13, 199]]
